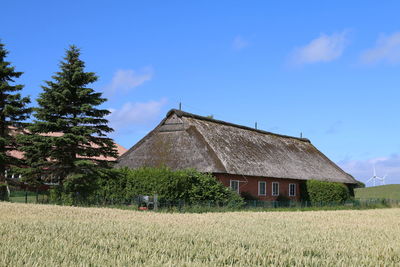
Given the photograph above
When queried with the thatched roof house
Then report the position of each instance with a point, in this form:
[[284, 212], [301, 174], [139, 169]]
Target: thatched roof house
[[232, 153]]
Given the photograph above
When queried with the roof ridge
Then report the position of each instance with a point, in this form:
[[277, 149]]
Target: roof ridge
[[181, 113]]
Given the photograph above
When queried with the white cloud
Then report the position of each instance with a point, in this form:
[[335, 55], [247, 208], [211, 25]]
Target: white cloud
[[387, 49], [133, 114], [239, 43], [125, 80], [325, 48], [363, 169]]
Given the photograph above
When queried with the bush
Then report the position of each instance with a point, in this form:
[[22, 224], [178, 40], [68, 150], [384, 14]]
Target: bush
[[55, 195], [3, 192], [78, 187], [111, 184], [124, 185], [188, 185], [326, 192], [59, 195], [303, 192]]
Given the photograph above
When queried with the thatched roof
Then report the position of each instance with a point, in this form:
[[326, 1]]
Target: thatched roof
[[185, 140]]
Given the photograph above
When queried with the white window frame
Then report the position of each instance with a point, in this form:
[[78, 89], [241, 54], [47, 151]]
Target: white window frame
[[238, 185], [259, 188], [273, 193], [294, 190]]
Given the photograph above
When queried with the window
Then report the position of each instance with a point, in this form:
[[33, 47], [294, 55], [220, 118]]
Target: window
[[275, 189], [292, 190], [234, 184], [262, 188]]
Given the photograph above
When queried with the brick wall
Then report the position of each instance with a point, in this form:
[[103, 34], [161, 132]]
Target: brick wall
[[250, 184]]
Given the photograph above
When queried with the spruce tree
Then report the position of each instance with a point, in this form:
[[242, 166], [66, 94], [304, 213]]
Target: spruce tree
[[68, 138], [13, 112]]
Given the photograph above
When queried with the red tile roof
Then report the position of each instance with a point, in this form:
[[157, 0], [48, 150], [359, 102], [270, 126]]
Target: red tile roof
[[120, 150]]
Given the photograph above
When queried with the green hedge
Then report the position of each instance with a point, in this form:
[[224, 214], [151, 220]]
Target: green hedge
[[124, 185], [183, 185], [320, 191]]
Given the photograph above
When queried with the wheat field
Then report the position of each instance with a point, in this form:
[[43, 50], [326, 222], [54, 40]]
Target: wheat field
[[45, 235]]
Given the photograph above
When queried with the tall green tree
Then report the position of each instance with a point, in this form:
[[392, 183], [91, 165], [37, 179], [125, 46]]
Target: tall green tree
[[13, 112], [68, 138]]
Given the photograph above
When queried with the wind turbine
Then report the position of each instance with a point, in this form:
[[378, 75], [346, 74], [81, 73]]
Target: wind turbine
[[376, 177], [382, 179]]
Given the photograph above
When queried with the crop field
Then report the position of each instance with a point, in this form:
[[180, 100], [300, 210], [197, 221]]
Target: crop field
[[45, 235], [391, 191]]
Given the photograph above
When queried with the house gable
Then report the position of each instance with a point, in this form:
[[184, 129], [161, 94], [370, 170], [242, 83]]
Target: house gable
[[174, 144]]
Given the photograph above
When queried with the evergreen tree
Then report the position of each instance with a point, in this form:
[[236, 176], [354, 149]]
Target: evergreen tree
[[69, 136], [13, 112]]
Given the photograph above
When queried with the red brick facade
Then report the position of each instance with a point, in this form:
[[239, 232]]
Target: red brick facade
[[250, 185]]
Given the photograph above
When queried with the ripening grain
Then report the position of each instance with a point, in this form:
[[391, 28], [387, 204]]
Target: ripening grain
[[41, 235]]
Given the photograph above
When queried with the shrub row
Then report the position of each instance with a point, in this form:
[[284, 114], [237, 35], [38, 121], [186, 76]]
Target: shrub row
[[322, 192], [124, 185]]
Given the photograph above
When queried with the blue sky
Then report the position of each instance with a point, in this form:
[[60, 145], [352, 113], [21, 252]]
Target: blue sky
[[328, 69]]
